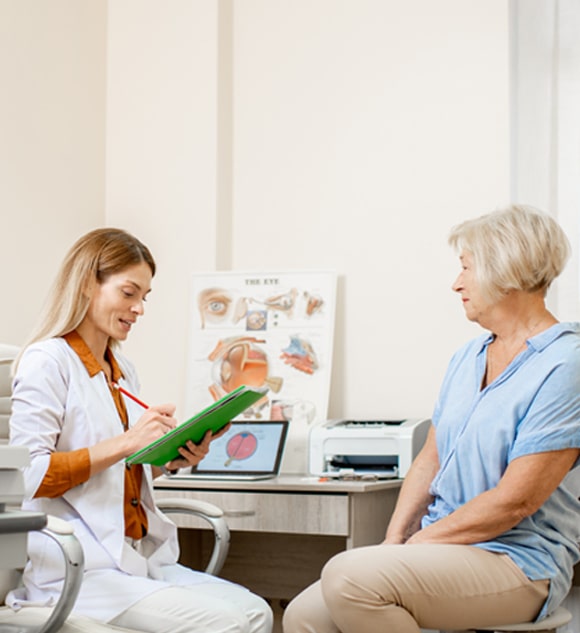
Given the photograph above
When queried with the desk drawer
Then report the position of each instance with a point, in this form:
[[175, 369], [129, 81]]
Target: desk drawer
[[290, 513]]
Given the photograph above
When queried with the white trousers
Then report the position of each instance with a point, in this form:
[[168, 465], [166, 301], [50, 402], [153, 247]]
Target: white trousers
[[202, 608]]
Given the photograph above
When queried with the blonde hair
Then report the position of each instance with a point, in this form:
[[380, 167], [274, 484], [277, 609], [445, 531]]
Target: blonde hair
[[516, 248], [92, 259]]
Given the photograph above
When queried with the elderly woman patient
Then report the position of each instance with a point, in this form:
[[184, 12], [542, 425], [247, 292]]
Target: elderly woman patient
[[486, 527]]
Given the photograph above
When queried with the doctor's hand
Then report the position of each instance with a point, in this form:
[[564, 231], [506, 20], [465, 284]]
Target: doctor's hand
[[192, 454], [153, 424]]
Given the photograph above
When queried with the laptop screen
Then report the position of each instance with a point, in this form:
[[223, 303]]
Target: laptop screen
[[248, 448]]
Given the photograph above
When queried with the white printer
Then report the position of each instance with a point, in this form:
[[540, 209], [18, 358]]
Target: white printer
[[374, 448]]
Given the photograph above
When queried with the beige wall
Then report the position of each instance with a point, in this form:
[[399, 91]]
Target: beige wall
[[52, 142], [340, 135], [361, 131], [161, 164]]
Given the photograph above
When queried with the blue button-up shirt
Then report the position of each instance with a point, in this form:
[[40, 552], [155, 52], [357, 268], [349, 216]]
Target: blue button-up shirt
[[532, 407]]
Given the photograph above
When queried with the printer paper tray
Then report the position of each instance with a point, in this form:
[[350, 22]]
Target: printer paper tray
[[376, 466], [358, 473]]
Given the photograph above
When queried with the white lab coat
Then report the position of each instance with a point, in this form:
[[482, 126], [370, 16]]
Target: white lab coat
[[56, 405]]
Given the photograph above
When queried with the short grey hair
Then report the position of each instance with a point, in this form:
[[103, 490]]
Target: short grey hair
[[516, 248]]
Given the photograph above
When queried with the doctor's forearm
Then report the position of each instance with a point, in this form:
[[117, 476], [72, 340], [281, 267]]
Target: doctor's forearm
[[109, 452], [65, 471], [68, 469]]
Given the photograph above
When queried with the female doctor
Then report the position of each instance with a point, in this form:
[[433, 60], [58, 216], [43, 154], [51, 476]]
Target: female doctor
[[79, 428]]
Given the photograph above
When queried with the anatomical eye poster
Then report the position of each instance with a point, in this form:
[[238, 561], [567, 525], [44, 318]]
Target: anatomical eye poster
[[259, 329]]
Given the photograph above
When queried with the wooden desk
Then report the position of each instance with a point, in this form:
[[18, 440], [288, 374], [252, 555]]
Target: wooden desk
[[283, 530]]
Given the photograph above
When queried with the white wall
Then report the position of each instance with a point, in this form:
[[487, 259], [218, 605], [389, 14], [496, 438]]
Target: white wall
[[52, 141], [361, 131]]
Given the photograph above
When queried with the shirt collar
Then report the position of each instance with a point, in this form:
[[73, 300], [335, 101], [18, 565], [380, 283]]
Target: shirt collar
[[543, 339], [92, 365]]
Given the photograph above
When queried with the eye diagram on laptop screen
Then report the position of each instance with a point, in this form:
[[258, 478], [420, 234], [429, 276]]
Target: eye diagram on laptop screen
[[241, 446], [247, 447]]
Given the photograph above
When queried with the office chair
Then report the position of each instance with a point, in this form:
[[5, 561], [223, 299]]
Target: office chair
[[210, 514], [15, 524], [14, 527], [560, 617], [7, 355]]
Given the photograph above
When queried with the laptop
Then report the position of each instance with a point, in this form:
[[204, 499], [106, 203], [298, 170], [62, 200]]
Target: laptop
[[248, 451]]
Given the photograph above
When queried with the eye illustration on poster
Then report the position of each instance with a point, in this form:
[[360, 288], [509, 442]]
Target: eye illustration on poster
[[263, 329]]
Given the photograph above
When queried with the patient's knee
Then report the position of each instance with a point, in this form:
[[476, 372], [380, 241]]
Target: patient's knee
[[336, 575], [362, 576], [307, 613], [343, 581]]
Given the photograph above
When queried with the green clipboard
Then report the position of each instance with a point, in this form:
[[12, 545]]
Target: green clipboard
[[213, 418]]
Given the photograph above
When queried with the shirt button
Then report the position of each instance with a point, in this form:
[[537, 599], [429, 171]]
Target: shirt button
[[134, 502]]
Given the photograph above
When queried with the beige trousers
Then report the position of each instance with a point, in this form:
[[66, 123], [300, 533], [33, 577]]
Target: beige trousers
[[403, 588]]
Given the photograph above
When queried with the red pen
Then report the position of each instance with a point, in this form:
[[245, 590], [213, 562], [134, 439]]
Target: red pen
[[130, 395]]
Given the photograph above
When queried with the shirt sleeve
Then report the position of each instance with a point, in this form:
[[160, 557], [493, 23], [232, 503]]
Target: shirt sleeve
[[65, 471], [39, 401], [552, 420]]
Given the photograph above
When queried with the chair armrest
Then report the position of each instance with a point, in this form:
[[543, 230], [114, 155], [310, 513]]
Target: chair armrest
[[18, 521], [62, 533], [214, 516]]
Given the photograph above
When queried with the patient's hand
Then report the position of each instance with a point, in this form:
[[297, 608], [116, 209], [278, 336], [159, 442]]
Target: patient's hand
[[391, 540]]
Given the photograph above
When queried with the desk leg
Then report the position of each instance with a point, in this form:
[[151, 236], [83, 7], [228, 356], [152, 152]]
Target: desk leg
[[369, 517]]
